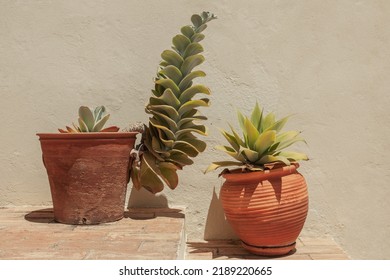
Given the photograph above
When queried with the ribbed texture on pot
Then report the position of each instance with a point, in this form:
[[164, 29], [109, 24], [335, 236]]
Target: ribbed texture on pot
[[266, 208]]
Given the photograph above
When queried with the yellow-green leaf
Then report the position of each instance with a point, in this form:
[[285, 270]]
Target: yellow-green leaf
[[190, 63], [172, 58], [187, 80], [189, 93], [264, 141], [172, 72], [251, 133]]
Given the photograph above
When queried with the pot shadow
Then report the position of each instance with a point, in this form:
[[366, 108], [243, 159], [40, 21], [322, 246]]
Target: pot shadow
[[43, 216], [228, 249], [157, 206], [217, 226]]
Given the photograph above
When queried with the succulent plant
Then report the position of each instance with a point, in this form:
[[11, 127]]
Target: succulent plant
[[168, 142], [91, 121], [262, 142]]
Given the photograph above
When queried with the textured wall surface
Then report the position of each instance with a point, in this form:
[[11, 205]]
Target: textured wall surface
[[326, 61]]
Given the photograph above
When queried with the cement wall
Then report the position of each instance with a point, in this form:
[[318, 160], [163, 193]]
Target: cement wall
[[326, 61]]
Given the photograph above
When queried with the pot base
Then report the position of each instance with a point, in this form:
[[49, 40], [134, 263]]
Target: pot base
[[269, 250]]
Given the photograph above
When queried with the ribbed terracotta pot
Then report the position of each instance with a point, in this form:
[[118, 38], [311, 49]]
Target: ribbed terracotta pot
[[266, 209], [88, 174]]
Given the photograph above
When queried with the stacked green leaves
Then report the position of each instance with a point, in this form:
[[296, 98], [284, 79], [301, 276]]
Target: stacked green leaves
[[169, 142], [261, 143]]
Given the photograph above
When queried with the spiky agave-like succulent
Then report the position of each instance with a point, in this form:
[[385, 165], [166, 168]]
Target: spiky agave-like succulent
[[91, 121], [262, 142], [168, 142]]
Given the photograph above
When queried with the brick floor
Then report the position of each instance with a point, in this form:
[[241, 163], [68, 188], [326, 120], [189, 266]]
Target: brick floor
[[146, 234]]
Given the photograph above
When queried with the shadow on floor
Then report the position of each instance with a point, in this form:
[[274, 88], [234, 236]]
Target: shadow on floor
[[226, 249], [152, 213], [44, 216]]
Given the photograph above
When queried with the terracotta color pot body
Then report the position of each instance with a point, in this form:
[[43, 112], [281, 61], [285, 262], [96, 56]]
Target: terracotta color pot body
[[267, 210], [88, 174]]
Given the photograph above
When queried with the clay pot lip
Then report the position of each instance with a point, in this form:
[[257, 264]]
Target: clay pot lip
[[87, 135], [237, 175]]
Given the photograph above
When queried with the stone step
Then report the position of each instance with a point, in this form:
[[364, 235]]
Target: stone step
[[144, 233]]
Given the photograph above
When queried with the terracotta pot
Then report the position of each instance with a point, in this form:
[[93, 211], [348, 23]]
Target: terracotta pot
[[267, 210], [88, 174]]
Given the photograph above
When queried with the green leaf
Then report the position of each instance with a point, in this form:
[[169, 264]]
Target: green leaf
[[170, 99], [166, 119], [189, 93], [271, 158], [169, 134], [180, 42], [256, 116], [186, 148], [135, 176], [251, 132], [186, 82], [83, 126], [198, 144], [167, 142], [169, 174], [87, 116], [173, 58], [237, 137], [148, 174], [187, 31], [184, 122], [218, 164], [252, 156], [100, 124], [180, 158], [231, 139], [264, 141], [204, 102], [197, 37], [190, 63], [193, 49], [231, 152], [98, 112], [168, 83], [171, 72], [293, 156], [288, 142], [278, 125], [267, 122], [164, 109], [196, 20], [201, 28], [241, 120], [200, 129]]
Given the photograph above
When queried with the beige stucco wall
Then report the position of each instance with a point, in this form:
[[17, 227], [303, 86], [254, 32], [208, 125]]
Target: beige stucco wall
[[327, 61]]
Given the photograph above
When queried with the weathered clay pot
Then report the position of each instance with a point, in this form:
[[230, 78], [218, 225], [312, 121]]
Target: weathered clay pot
[[267, 210], [88, 174]]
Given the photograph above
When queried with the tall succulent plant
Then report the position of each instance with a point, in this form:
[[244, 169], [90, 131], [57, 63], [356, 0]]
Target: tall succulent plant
[[168, 142]]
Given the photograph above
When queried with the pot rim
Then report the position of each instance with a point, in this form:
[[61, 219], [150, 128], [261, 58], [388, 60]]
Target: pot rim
[[87, 135], [239, 176]]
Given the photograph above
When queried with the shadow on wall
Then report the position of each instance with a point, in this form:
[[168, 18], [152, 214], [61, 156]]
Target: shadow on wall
[[142, 197], [217, 227]]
